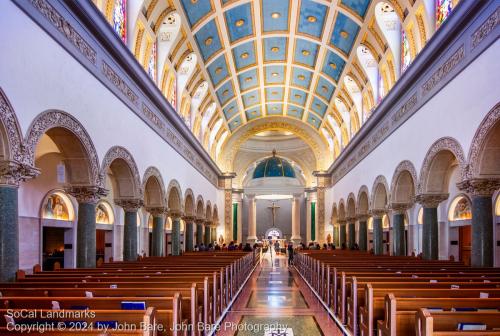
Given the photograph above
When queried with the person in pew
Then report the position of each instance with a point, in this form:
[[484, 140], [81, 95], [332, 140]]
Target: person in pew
[[325, 247], [210, 247], [217, 247], [240, 246], [344, 246], [196, 248], [231, 246], [247, 248], [355, 247]]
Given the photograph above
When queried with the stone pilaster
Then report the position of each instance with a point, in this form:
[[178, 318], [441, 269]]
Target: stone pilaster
[[130, 206], [199, 230], [226, 183], [208, 232], [252, 219], [11, 174], [398, 228], [430, 237], [158, 232], [342, 232], [363, 232], [176, 232], [481, 191], [323, 181], [378, 231], [87, 198], [189, 233], [296, 238]]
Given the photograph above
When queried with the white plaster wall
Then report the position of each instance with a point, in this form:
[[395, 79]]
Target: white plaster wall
[[37, 74]]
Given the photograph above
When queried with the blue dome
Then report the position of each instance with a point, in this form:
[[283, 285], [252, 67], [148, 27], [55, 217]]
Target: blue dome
[[274, 167]]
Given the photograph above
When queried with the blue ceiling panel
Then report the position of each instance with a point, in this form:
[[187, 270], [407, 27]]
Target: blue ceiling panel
[[305, 53], [333, 66], [344, 33], [358, 6], [294, 111], [218, 70], [325, 88], [274, 109], [244, 55], [208, 40], [235, 123], [251, 98], [231, 109], [239, 22], [254, 112], [312, 18], [275, 74], [301, 77], [298, 97], [274, 94], [196, 11], [275, 49], [225, 92], [313, 120], [248, 79], [275, 15], [318, 106]]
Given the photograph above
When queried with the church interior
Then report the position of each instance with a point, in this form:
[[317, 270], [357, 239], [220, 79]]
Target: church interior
[[250, 167]]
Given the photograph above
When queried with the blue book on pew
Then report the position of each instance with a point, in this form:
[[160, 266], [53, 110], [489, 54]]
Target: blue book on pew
[[106, 324], [471, 326], [464, 309], [133, 305]]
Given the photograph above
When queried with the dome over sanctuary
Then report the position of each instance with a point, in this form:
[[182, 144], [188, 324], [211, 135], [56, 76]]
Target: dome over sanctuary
[[274, 166]]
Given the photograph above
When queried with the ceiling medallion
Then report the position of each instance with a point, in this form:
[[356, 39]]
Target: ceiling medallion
[[244, 55], [230, 109], [275, 15], [225, 93], [248, 79], [254, 113], [306, 52], [274, 108], [313, 119], [324, 88], [294, 110], [318, 105], [275, 74], [239, 23], [333, 65], [344, 34], [275, 49], [209, 41], [274, 92], [194, 1], [311, 19], [218, 71], [252, 97], [297, 96], [301, 77]]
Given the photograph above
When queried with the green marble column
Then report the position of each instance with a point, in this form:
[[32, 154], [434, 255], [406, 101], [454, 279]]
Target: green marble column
[[351, 234], [430, 237], [130, 206], [342, 233], [176, 234], [158, 232], [9, 233], [398, 234], [189, 234], [378, 234], [199, 232], [208, 233], [214, 234], [363, 233], [336, 237]]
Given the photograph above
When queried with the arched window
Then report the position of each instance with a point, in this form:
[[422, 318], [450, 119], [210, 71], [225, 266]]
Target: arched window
[[219, 143], [355, 93], [152, 62], [209, 112], [213, 133], [185, 71], [346, 118], [405, 51], [389, 24], [443, 10], [336, 129], [328, 137], [381, 88], [120, 18], [370, 67], [172, 90]]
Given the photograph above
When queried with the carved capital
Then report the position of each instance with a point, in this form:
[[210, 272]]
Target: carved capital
[[431, 200], [378, 213], [86, 194], [12, 173], [362, 217], [399, 208], [189, 219], [156, 211], [130, 205], [351, 219], [174, 214], [199, 221], [480, 186], [342, 221]]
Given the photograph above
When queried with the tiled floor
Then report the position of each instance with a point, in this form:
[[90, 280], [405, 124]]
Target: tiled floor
[[276, 302]]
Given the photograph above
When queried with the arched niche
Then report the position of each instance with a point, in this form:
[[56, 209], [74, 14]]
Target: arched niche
[[379, 193], [355, 92], [154, 188], [460, 209], [189, 205], [57, 205], [104, 213]]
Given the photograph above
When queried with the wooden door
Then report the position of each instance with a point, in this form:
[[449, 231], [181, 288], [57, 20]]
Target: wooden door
[[100, 244], [465, 243]]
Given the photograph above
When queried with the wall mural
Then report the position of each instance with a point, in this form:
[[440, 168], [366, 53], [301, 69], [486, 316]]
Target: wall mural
[[57, 206], [460, 209], [103, 214]]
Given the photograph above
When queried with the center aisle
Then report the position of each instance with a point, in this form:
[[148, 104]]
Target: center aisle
[[276, 301]]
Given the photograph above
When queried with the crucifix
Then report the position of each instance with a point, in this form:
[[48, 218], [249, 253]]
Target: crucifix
[[273, 208]]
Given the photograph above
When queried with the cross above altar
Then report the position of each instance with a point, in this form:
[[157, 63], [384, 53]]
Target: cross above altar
[[273, 208]]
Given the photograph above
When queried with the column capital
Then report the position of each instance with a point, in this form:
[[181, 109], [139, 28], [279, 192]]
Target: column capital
[[431, 200], [156, 211], [479, 186], [351, 219], [199, 221], [208, 223], [378, 213], [12, 173], [342, 221], [129, 205], [86, 194], [251, 197], [175, 214], [362, 217], [188, 218], [399, 208]]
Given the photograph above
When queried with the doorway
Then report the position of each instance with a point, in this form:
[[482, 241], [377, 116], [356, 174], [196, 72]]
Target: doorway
[[465, 243], [52, 248]]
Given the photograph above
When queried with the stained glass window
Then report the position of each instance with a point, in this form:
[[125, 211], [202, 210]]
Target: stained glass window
[[405, 51], [152, 62], [381, 91], [443, 10], [120, 18]]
